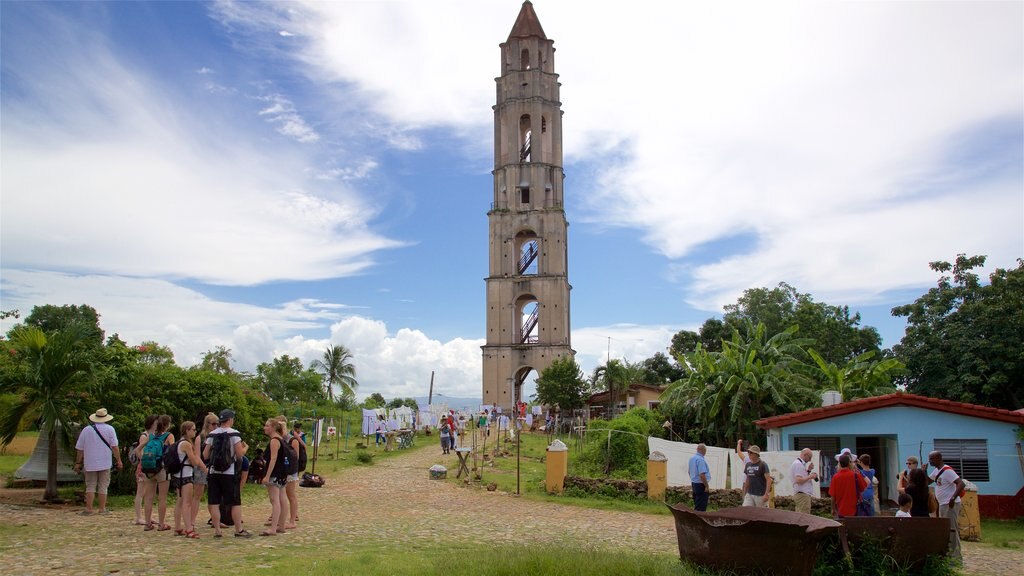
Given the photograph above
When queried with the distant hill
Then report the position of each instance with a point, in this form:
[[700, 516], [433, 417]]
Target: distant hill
[[453, 402]]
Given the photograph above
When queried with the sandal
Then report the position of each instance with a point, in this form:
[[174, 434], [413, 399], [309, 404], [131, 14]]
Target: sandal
[[149, 526], [163, 528], [243, 533], [266, 533], [191, 534]]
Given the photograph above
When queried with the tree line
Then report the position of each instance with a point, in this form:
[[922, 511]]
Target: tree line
[[775, 350]]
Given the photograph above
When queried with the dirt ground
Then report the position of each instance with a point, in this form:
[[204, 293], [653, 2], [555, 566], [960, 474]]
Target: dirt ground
[[358, 503]]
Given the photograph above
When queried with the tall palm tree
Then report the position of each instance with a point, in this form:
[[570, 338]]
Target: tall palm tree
[[50, 368], [337, 369]]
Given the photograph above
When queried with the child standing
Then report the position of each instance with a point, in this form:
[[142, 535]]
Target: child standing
[[905, 501]]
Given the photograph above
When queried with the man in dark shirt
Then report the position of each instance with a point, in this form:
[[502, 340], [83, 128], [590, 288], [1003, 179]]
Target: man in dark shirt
[[757, 481]]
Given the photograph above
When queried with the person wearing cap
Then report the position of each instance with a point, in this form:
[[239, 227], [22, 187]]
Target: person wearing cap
[[97, 443], [757, 482], [222, 484]]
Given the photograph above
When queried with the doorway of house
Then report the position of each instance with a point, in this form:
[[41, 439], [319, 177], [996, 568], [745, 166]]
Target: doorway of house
[[875, 447]]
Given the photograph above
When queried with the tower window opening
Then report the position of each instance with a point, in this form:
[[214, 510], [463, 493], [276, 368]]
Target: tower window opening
[[524, 59], [528, 258], [524, 195], [529, 323], [525, 134]]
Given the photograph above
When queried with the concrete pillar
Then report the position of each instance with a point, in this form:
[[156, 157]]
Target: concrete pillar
[[657, 476], [557, 466]]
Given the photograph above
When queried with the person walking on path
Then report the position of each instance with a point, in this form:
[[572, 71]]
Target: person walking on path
[[221, 481], [948, 487], [757, 482], [803, 475], [96, 449], [700, 478], [845, 488]]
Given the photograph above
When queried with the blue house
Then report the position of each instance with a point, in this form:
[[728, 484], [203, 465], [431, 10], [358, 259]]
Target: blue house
[[982, 444]]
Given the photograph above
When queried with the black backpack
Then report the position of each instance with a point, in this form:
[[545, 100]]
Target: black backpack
[[302, 457], [172, 463], [286, 460], [222, 451]]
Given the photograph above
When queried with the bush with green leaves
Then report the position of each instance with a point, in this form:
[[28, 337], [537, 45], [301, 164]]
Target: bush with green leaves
[[618, 447]]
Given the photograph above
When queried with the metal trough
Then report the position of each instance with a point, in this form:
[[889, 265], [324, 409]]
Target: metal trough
[[752, 540], [907, 540]]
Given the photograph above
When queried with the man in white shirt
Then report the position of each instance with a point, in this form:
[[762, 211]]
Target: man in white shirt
[[97, 443], [803, 475], [948, 486]]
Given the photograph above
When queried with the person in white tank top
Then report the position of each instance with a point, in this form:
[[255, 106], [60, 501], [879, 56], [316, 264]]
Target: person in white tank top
[[184, 519]]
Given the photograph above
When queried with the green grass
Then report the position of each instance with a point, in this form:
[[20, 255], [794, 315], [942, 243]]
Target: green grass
[[387, 558], [532, 472], [1003, 533]]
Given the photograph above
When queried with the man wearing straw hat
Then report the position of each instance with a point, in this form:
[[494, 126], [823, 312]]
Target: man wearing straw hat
[[96, 444]]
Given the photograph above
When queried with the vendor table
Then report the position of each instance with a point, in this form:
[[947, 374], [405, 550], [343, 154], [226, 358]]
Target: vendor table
[[463, 454]]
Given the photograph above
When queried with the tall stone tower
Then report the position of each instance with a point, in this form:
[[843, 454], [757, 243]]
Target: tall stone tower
[[528, 282]]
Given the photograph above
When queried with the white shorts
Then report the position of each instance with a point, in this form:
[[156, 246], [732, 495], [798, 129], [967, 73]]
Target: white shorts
[[755, 501]]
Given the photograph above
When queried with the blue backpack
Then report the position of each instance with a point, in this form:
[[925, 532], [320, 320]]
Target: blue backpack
[[153, 454]]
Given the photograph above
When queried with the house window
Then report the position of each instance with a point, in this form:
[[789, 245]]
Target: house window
[[969, 458]]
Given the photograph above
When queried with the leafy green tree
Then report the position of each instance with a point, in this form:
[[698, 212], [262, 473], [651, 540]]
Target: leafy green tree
[[375, 400], [400, 402], [285, 381], [51, 318], [861, 377], [150, 352], [658, 370], [618, 447], [217, 360], [964, 341], [836, 334], [754, 376], [562, 384], [710, 337], [49, 382], [337, 370]]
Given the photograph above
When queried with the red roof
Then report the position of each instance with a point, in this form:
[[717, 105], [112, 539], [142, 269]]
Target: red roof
[[897, 399]]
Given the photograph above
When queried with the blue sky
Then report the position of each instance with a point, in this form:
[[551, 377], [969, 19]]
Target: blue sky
[[277, 177]]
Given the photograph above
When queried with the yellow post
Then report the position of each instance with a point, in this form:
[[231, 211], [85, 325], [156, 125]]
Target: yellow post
[[969, 520], [556, 467], [657, 476]]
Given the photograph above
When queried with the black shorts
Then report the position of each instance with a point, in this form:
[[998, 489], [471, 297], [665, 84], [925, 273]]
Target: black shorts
[[177, 483], [223, 489]]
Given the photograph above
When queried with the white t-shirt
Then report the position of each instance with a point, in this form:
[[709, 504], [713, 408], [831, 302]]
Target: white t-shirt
[[902, 514], [97, 454], [945, 484], [799, 468], [234, 442]]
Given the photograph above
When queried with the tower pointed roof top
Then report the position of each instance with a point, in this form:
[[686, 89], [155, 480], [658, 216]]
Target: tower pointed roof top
[[527, 24]]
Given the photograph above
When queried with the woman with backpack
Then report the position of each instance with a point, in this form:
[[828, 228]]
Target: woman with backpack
[[291, 489], [135, 457], [157, 482], [188, 462], [210, 422], [276, 477]]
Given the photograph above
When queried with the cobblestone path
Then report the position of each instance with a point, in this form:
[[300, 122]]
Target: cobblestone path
[[392, 503]]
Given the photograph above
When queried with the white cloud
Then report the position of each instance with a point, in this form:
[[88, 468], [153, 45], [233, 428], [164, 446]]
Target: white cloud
[[825, 123]]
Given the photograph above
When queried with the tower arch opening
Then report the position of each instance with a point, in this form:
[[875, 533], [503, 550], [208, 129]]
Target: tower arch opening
[[525, 132], [527, 248], [524, 384], [527, 310], [524, 59]]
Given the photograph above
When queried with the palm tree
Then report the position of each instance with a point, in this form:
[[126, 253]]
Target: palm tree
[[337, 370], [50, 368]]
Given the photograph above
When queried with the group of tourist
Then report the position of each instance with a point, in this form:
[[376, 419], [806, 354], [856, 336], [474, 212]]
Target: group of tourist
[[211, 460], [852, 488]]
